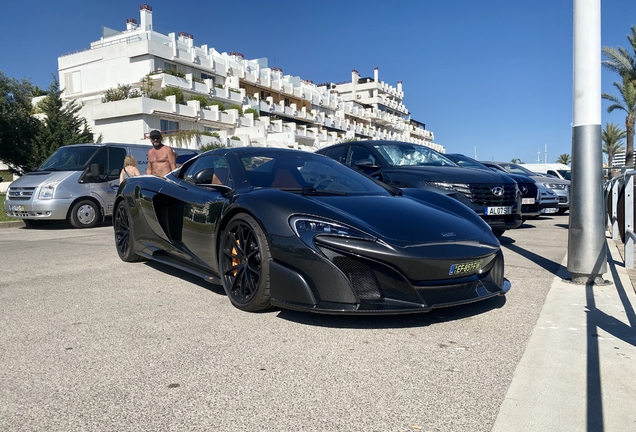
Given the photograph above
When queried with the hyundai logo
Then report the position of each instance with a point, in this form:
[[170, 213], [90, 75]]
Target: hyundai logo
[[497, 191]]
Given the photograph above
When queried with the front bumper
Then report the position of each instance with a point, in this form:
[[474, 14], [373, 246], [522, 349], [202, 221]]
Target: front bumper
[[52, 209], [337, 281]]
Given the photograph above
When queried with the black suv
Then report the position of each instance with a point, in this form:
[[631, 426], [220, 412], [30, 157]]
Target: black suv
[[493, 196]]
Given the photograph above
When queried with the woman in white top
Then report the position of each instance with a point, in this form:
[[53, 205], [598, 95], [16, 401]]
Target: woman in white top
[[130, 168]]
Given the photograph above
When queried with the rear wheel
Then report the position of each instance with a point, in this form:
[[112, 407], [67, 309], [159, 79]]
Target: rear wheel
[[124, 238], [244, 264], [85, 214]]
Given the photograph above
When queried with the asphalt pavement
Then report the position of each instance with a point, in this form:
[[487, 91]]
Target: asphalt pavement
[[90, 343]]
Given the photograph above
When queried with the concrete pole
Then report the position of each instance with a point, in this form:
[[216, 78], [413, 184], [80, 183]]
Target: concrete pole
[[587, 256]]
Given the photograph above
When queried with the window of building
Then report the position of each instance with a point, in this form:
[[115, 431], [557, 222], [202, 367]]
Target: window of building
[[168, 126], [169, 66], [207, 76]]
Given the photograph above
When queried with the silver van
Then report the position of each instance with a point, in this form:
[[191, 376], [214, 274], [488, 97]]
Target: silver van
[[77, 183]]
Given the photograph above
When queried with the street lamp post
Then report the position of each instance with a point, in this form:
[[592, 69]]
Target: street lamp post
[[587, 256]]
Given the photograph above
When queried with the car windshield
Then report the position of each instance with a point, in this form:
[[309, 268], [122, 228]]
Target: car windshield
[[566, 174], [306, 173], [466, 162], [518, 169], [407, 154], [68, 158]]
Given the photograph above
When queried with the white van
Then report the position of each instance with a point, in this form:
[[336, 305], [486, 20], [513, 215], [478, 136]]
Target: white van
[[559, 170], [77, 183]]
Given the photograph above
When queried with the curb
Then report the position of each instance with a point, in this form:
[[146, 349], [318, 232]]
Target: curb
[[12, 224]]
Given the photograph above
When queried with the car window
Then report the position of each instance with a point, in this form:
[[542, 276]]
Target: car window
[[406, 154], [337, 153], [358, 153], [216, 171], [302, 171]]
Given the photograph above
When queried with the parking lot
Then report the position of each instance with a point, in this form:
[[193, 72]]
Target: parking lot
[[95, 344]]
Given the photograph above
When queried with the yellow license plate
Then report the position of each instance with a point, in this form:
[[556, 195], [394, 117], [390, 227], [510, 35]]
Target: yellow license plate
[[468, 267]]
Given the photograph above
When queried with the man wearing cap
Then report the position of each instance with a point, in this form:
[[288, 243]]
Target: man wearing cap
[[161, 158]]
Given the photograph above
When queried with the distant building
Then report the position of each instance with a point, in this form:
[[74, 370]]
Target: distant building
[[282, 110], [619, 160]]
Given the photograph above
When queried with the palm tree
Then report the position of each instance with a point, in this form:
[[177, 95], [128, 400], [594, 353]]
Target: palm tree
[[612, 138], [564, 159], [620, 60], [626, 103]]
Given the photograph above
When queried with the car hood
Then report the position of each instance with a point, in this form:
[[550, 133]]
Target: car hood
[[552, 180], [453, 174], [388, 218], [36, 178]]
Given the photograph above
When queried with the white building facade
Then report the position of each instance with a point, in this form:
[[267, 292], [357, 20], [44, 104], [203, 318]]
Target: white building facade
[[196, 96]]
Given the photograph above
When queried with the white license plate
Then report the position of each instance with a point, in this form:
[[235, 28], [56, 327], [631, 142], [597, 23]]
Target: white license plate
[[549, 210], [527, 201], [497, 210], [16, 207]]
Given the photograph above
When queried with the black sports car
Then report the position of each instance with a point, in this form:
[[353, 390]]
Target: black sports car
[[493, 196], [297, 230]]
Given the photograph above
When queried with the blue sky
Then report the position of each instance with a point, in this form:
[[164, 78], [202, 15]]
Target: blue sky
[[492, 77]]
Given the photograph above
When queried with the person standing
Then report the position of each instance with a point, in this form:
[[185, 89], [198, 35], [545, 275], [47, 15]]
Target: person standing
[[130, 168], [161, 158]]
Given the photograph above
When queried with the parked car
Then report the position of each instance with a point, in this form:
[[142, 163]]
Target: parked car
[[560, 187], [558, 170], [529, 188], [548, 200], [493, 196], [293, 229], [77, 183]]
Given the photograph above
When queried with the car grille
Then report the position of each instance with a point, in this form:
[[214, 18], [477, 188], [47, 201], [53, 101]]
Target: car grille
[[363, 279], [482, 194], [20, 193]]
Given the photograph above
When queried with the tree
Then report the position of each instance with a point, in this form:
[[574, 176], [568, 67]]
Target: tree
[[18, 127], [612, 137], [620, 60], [516, 161], [564, 159], [62, 125], [627, 103]]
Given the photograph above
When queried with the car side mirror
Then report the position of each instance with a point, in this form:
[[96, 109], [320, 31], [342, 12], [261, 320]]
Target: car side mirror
[[204, 176], [367, 167]]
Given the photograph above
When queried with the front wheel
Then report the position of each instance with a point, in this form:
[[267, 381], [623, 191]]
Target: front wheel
[[124, 238], [85, 214], [244, 264]]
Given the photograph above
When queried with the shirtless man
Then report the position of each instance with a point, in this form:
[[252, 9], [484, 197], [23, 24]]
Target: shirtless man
[[161, 158]]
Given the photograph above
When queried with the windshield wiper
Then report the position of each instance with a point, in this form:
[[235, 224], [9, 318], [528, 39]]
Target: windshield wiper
[[313, 191]]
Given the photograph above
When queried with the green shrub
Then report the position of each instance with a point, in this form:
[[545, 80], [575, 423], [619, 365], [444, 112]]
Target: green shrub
[[221, 105], [235, 138], [174, 91], [253, 111], [238, 108], [202, 99], [123, 91]]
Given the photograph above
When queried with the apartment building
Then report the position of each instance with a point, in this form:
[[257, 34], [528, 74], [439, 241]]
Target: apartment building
[[136, 80]]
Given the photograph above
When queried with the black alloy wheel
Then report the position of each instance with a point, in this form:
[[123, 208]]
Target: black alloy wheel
[[244, 264], [124, 240]]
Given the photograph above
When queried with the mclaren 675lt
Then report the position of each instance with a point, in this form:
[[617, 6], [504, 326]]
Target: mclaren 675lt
[[297, 230]]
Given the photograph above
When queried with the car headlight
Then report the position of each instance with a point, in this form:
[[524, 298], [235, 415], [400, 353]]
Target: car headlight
[[306, 228], [47, 190], [555, 185], [459, 187]]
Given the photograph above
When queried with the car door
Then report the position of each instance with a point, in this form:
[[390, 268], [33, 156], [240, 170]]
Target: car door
[[205, 183]]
